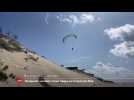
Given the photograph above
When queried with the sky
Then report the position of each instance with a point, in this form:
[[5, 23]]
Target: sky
[[104, 44]]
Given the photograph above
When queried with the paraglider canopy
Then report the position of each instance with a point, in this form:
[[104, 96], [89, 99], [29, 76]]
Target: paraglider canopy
[[69, 36]]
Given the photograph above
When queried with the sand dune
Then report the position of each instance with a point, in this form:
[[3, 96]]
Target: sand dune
[[20, 67], [33, 70]]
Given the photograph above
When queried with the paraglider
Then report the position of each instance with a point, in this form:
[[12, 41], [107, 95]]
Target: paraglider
[[68, 36], [65, 38]]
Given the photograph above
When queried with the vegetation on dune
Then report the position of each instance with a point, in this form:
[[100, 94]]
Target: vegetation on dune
[[4, 44], [15, 45], [10, 45], [5, 67], [30, 57], [9, 42], [12, 76], [3, 75]]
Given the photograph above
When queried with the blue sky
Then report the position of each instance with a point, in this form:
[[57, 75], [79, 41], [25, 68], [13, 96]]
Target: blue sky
[[105, 40]]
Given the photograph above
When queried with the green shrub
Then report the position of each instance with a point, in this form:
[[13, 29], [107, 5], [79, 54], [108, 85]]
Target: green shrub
[[3, 76], [4, 44], [11, 45], [5, 67], [15, 45], [12, 76]]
